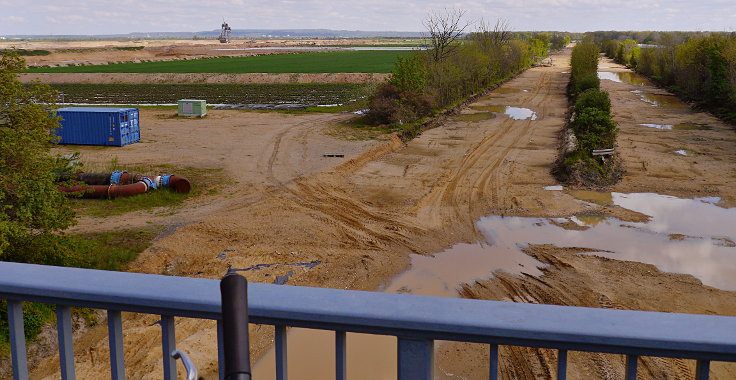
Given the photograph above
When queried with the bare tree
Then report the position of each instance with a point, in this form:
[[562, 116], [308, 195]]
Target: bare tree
[[496, 36], [445, 29]]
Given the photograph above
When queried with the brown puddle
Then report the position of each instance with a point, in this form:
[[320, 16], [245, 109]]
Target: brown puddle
[[708, 254], [597, 197], [626, 77], [693, 127], [479, 116], [664, 101], [506, 90]]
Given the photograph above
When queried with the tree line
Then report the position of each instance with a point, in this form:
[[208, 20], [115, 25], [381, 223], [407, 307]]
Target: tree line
[[455, 66], [698, 66]]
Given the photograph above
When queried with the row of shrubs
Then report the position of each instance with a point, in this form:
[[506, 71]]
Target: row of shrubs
[[697, 66], [421, 85], [591, 121]]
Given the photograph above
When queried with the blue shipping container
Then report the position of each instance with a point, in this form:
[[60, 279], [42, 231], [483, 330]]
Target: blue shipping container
[[98, 126]]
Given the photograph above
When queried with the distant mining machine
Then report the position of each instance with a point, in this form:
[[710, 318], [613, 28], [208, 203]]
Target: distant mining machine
[[225, 33]]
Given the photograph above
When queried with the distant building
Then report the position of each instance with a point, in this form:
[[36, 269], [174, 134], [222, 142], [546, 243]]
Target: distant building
[[225, 33]]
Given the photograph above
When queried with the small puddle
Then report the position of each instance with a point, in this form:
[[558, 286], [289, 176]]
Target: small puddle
[[479, 116], [506, 90], [664, 101], [659, 126], [554, 188], [683, 152], [516, 113], [693, 127]]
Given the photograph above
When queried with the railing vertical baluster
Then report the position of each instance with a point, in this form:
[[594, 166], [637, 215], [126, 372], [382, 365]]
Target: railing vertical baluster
[[168, 344], [632, 362], [17, 340], [340, 355], [220, 349], [66, 341], [416, 359], [702, 370], [117, 353], [561, 364], [493, 363], [282, 372]]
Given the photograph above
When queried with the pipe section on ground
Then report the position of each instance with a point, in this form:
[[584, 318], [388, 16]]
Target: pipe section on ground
[[122, 183]]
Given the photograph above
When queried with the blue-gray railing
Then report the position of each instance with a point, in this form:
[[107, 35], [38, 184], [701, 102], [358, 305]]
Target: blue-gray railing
[[415, 320]]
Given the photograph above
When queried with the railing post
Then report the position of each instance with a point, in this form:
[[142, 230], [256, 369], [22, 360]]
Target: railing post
[[115, 336], [561, 364], [340, 355], [702, 370], [66, 341], [17, 340], [282, 372], [168, 345], [415, 359], [632, 362], [493, 363], [220, 350]]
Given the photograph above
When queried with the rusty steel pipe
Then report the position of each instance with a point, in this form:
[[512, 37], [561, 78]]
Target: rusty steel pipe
[[108, 191]]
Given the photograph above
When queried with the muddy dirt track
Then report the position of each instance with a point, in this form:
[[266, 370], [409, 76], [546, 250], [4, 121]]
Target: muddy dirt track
[[363, 216]]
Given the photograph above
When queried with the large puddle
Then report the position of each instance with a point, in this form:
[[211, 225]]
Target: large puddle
[[664, 101], [625, 77], [691, 236]]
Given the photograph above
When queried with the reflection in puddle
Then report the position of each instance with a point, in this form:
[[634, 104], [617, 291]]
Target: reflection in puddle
[[441, 274], [627, 77], [659, 126], [665, 101], [554, 188], [516, 113], [694, 140], [480, 116], [683, 152]]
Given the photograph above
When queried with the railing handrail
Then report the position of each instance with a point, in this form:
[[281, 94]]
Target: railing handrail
[[422, 317]]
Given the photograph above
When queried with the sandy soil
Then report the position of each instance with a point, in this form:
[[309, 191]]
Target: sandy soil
[[362, 217]]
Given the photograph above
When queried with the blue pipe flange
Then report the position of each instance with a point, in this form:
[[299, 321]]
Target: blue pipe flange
[[150, 183], [165, 180], [115, 177]]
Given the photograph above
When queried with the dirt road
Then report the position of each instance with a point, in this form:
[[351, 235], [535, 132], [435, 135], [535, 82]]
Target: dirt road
[[362, 218]]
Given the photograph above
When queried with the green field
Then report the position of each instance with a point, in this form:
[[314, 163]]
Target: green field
[[311, 62]]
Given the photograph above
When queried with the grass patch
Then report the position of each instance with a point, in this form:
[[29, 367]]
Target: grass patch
[[111, 250], [311, 62], [129, 48], [358, 129], [26, 53], [204, 182]]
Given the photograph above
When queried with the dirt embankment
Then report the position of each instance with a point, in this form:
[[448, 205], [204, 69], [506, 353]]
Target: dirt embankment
[[173, 78], [362, 219]]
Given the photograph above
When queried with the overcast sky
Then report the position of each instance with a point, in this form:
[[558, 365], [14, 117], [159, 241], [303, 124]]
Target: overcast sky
[[125, 16]]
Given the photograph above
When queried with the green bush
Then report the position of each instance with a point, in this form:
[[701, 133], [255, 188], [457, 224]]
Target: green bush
[[593, 98], [594, 129], [585, 83]]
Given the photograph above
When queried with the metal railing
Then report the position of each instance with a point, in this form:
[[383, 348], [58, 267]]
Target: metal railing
[[417, 321]]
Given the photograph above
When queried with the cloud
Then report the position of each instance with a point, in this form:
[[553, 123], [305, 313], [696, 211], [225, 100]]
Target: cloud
[[123, 16]]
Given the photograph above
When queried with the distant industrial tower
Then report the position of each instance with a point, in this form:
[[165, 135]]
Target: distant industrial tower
[[225, 33]]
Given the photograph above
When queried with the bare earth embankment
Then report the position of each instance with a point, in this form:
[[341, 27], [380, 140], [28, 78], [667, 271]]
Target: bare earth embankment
[[362, 217]]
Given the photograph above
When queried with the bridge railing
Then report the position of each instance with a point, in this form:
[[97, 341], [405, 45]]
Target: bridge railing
[[416, 321]]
